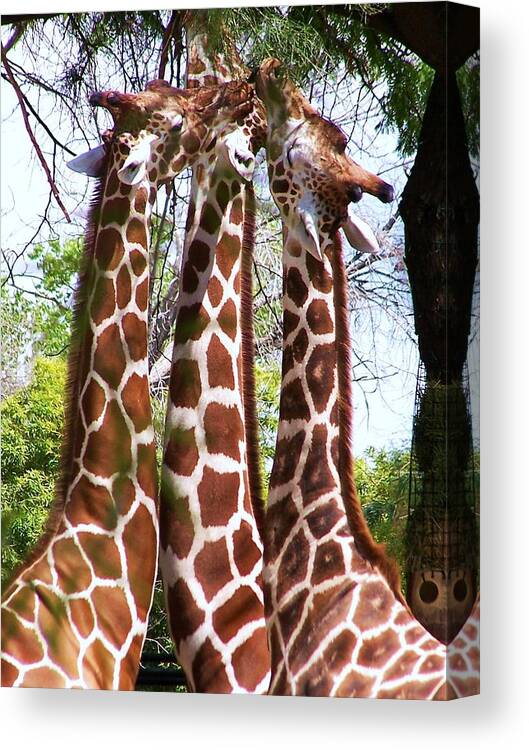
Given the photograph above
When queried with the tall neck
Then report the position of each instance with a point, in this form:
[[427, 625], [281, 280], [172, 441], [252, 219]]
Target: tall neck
[[312, 476], [210, 546], [94, 568]]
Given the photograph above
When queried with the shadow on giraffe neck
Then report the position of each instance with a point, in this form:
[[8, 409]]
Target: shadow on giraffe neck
[[373, 552], [73, 377]]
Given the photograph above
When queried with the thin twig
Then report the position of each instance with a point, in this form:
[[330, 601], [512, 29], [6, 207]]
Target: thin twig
[[21, 101]]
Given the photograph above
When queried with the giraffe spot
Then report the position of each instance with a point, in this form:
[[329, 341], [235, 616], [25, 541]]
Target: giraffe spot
[[316, 682], [299, 345], [288, 452], [199, 255], [318, 317], [43, 677], [402, 667], [328, 562], [129, 667], [241, 608], [414, 634], [23, 603], [184, 615], [212, 568], [82, 617], [73, 574], [465, 687], [54, 627], [245, 552], [224, 430], [176, 523], [189, 278], [103, 303], [356, 685], [184, 386], [374, 607], [142, 295], [181, 452], [331, 606], [324, 518], [293, 565], [102, 553], [316, 478], [290, 322], [115, 211], [376, 652], [136, 232], [293, 404], [209, 219], [189, 142], [18, 642], [93, 401], [113, 182], [215, 291], [136, 401], [411, 690], [280, 186], [296, 287], [339, 652], [109, 249], [290, 615], [319, 277], [218, 497], [124, 494], [123, 287], [140, 542], [135, 331], [220, 368], [209, 674], [98, 666], [138, 262], [433, 663], [191, 322], [333, 418], [250, 660], [281, 517], [227, 253], [236, 213], [223, 195], [320, 374], [140, 204], [108, 449], [147, 472], [279, 169], [91, 503], [8, 672], [113, 614], [287, 362], [109, 359]]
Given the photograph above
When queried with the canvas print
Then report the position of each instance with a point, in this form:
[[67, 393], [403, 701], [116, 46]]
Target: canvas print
[[240, 371]]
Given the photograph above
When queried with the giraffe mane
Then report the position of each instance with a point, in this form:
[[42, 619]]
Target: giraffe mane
[[374, 552], [255, 478], [71, 393]]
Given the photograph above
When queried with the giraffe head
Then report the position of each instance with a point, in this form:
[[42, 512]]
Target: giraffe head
[[162, 130], [312, 179]]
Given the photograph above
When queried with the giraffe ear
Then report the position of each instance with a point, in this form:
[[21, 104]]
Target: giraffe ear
[[90, 163], [305, 226], [360, 235], [238, 155], [134, 167]]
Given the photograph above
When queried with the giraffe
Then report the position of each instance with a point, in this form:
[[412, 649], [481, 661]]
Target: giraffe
[[75, 614], [338, 624], [211, 497]]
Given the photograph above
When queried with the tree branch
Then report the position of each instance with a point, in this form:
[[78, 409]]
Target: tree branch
[[22, 102]]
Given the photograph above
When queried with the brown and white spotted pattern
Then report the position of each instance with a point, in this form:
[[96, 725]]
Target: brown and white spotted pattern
[[211, 551], [336, 626], [76, 613]]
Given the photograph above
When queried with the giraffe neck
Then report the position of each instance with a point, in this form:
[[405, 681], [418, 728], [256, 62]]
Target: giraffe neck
[[210, 547], [205, 68], [79, 607]]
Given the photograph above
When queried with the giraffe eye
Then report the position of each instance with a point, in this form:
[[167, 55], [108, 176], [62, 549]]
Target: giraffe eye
[[113, 99]]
